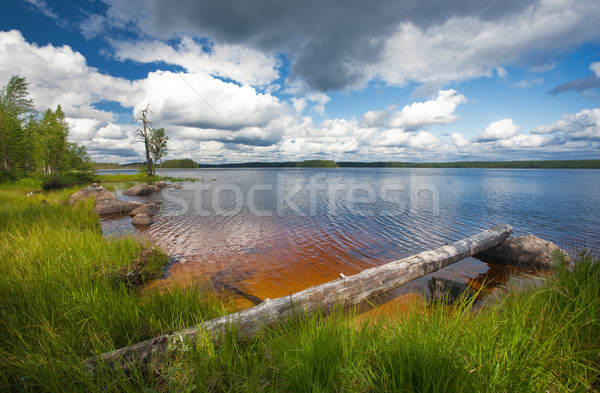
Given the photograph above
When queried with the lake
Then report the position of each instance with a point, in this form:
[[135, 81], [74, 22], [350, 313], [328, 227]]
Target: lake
[[273, 231]]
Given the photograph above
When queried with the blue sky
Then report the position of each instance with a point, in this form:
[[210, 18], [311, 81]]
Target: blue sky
[[348, 80]]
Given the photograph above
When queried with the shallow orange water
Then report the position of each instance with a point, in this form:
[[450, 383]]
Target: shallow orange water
[[273, 253]]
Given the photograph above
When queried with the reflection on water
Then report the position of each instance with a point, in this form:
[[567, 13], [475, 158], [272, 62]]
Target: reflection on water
[[272, 232]]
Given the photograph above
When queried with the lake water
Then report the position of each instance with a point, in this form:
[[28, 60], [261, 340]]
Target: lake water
[[271, 232]]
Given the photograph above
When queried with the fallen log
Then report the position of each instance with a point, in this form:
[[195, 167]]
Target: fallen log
[[343, 292], [223, 285]]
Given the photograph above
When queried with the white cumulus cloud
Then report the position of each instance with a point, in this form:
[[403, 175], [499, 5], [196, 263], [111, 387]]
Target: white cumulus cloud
[[583, 125], [438, 111], [501, 129], [239, 63]]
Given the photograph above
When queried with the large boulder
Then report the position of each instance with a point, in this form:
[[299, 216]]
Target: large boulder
[[95, 191], [529, 251], [141, 190], [149, 209], [161, 184], [141, 219], [115, 207]]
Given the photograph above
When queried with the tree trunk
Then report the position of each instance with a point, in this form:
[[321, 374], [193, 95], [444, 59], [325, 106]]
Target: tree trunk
[[148, 159], [342, 292]]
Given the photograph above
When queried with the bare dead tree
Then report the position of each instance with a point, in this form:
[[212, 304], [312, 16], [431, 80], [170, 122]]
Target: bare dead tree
[[144, 134]]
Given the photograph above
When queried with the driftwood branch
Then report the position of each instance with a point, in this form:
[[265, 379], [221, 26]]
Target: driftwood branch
[[343, 292]]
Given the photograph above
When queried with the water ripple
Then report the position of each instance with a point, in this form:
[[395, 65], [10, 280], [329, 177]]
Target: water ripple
[[305, 227]]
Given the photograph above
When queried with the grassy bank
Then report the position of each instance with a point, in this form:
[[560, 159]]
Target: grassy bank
[[63, 298], [540, 340]]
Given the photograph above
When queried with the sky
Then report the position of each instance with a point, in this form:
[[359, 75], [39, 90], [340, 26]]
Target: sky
[[287, 80]]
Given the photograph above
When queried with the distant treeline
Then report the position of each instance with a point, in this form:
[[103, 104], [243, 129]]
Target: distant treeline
[[317, 164], [549, 164], [112, 165], [288, 164], [184, 163]]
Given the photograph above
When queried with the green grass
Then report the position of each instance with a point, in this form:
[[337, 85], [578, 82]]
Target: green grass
[[536, 340], [62, 301]]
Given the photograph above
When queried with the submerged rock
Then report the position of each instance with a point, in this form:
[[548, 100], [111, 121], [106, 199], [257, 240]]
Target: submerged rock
[[141, 219], [529, 250], [115, 207], [141, 190], [443, 289], [149, 209], [95, 191]]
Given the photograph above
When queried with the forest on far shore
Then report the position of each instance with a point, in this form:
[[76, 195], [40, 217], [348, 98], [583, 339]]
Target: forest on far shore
[[533, 164]]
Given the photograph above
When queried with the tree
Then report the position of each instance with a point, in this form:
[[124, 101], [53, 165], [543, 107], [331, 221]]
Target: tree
[[31, 153], [54, 146], [158, 144], [14, 108], [78, 158], [28, 143], [144, 135]]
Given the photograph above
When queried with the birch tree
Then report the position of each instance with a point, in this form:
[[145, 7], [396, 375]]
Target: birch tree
[[158, 145]]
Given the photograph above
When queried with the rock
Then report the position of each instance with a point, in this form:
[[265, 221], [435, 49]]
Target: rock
[[177, 187], [450, 291], [149, 209], [527, 250], [141, 219], [95, 191], [141, 189], [161, 184], [115, 207]]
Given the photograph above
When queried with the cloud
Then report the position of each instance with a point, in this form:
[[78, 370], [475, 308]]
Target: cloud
[[498, 130], [419, 115], [525, 83], [196, 105], [239, 63], [521, 141], [420, 141], [501, 71], [583, 84], [200, 101], [596, 68], [217, 105], [458, 49], [583, 125], [299, 104], [343, 44], [42, 7], [92, 26], [319, 99], [59, 75]]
